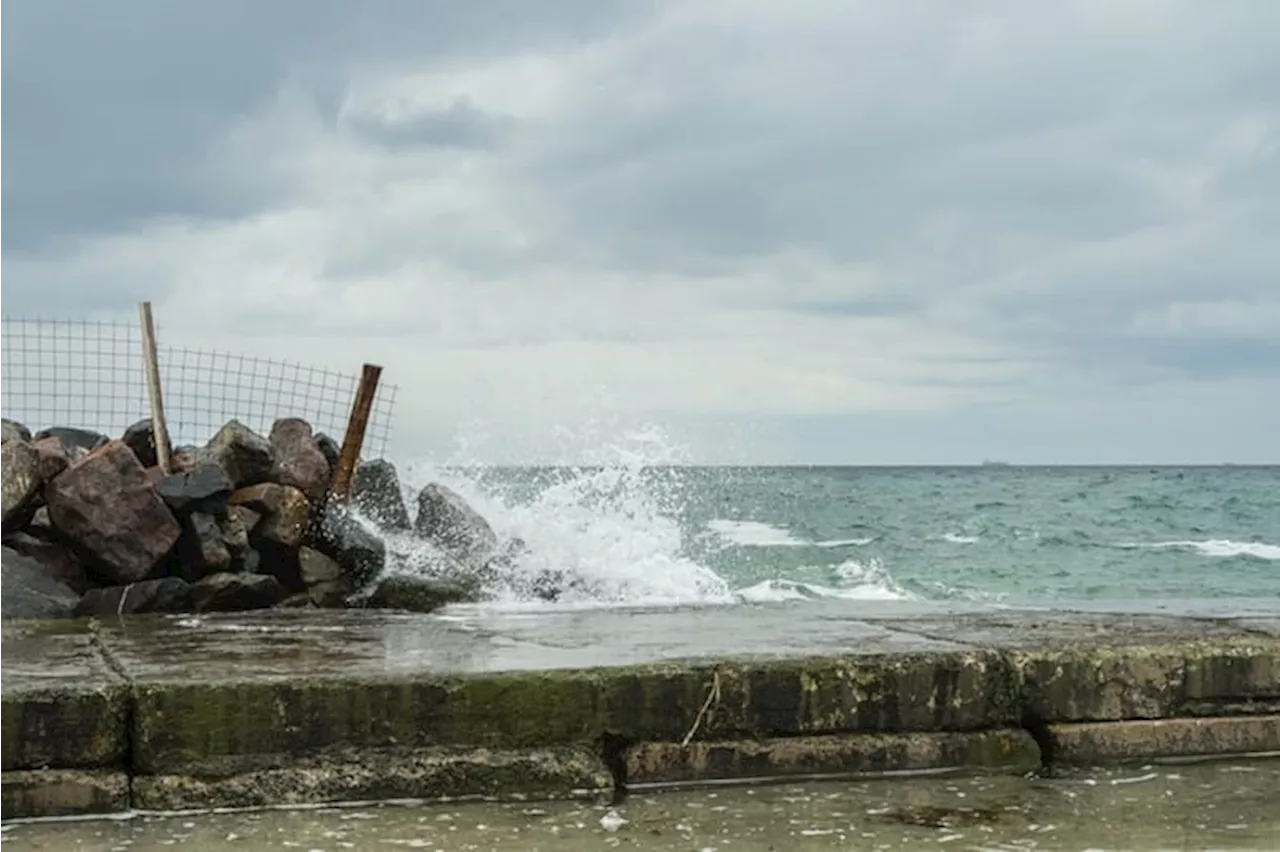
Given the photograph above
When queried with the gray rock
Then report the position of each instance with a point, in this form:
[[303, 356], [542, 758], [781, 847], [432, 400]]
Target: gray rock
[[376, 492], [329, 448], [448, 521], [53, 458], [420, 594], [167, 594], [360, 552], [237, 592], [13, 429], [202, 550], [203, 488], [58, 560], [27, 590], [235, 537], [331, 594], [244, 454], [315, 567], [76, 443], [19, 483], [142, 441]]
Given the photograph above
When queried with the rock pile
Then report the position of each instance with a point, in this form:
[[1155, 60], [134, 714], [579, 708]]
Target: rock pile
[[91, 526]]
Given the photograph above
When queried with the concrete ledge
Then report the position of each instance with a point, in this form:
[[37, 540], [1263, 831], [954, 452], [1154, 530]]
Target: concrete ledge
[[426, 774], [63, 792], [1090, 743], [1009, 750]]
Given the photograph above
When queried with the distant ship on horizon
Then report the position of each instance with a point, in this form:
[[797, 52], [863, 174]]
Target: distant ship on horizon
[[994, 463]]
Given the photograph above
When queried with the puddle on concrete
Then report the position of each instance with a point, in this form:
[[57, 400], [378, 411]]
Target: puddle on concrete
[[1223, 805]]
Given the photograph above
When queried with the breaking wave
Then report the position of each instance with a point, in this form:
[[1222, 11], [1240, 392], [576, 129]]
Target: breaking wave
[[758, 534], [1221, 547]]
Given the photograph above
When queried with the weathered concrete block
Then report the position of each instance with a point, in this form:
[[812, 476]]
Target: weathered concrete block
[[371, 776], [1109, 742], [38, 793], [1007, 750], [62, 709]]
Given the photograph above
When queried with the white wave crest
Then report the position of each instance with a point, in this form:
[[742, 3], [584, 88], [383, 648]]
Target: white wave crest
[[1224, 547], [956, 538], [758, 534], [857, 581]]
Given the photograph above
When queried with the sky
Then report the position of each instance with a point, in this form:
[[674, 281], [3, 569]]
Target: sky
[[820, 231]]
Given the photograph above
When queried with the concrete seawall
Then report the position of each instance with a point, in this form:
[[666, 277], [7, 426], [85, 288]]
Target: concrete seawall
[[307, 707]]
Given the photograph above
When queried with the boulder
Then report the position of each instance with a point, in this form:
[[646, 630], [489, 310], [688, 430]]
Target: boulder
[[276, 560], [167, 594], [202, 550], [13, 429], [27, 590], [420, 594], [203, 488], [41, 526], [235, 538], [19, 483], [298, 461], [360, 552], [285, 510], [326, 584], [142, 441], [76, 443], [329, 449], [298, 600], [51, 456], [236, 592], [376, 492], [448, 521], [249, 519], [242, 453], [58, 561], [107, 510]]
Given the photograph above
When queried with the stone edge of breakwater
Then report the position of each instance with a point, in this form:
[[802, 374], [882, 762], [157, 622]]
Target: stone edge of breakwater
[[102, 734]]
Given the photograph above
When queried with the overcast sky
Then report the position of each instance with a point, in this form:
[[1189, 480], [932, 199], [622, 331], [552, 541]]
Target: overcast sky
[[843, 232]]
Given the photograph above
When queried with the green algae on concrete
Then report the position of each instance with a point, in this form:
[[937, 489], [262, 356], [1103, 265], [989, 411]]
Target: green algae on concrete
[[396, 774], [655, 763], [1094, 743], [62, 706]]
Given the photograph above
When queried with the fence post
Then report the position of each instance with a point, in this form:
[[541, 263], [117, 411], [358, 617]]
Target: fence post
[[353, 440], [159, 431]]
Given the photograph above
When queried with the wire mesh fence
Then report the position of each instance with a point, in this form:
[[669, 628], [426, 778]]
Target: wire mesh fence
[[90, 374]]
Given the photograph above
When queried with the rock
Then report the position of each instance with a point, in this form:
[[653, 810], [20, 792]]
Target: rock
[[142, 441], [242, 453], [58, 561], [249, 519], [376, 492], [105, 507], [27, 590], [360, 552], [237, 592], [41, 525], [76, 443], [448, 521], [202, 551], [52, 458], [331, 594], [19, 483], [298, 461], [15, 430], [299, 600], [280, 562], [203, 488], [167, 594], [235, 538], [329, 449], [315, 567], [286, 512], [420, 594]]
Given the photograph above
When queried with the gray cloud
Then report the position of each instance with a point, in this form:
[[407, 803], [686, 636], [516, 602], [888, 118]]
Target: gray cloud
[[753, 210]]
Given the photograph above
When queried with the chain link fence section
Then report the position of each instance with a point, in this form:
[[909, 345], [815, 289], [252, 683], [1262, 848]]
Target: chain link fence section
[[90, 374]]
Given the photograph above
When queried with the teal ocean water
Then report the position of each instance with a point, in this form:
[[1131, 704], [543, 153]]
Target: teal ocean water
[[632, 534]]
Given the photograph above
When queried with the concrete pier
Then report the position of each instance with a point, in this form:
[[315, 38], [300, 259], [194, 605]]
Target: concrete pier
[[305, 707]]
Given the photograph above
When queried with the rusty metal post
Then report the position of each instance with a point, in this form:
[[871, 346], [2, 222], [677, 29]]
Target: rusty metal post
[[159, 430], [353, 440]]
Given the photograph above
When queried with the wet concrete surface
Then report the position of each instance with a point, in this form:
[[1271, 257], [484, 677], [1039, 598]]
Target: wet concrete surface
[[1222, 805]]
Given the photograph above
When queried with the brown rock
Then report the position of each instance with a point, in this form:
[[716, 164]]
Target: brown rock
[[13, 430], [298, 460], [56, 559], [76, 443], [19, 483], [249, 519], [236, 592], [285, 511], [52, 457], [143, 443], [104, 505]]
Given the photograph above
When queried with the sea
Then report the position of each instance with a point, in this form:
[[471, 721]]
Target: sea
[[630, 533]]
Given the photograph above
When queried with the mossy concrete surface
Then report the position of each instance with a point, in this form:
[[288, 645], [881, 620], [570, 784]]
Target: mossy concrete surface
[[1005, 750], [229, 706], [1092, 743], [63, 792]]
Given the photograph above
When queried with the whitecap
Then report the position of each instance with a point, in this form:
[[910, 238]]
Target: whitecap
[[1223, 547]]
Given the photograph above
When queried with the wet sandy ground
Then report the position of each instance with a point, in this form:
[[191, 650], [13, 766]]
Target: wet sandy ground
[[1223, 805]]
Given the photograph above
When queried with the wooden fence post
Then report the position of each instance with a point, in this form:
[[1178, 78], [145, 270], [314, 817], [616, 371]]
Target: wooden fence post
[[353, 440], [159, 431]]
